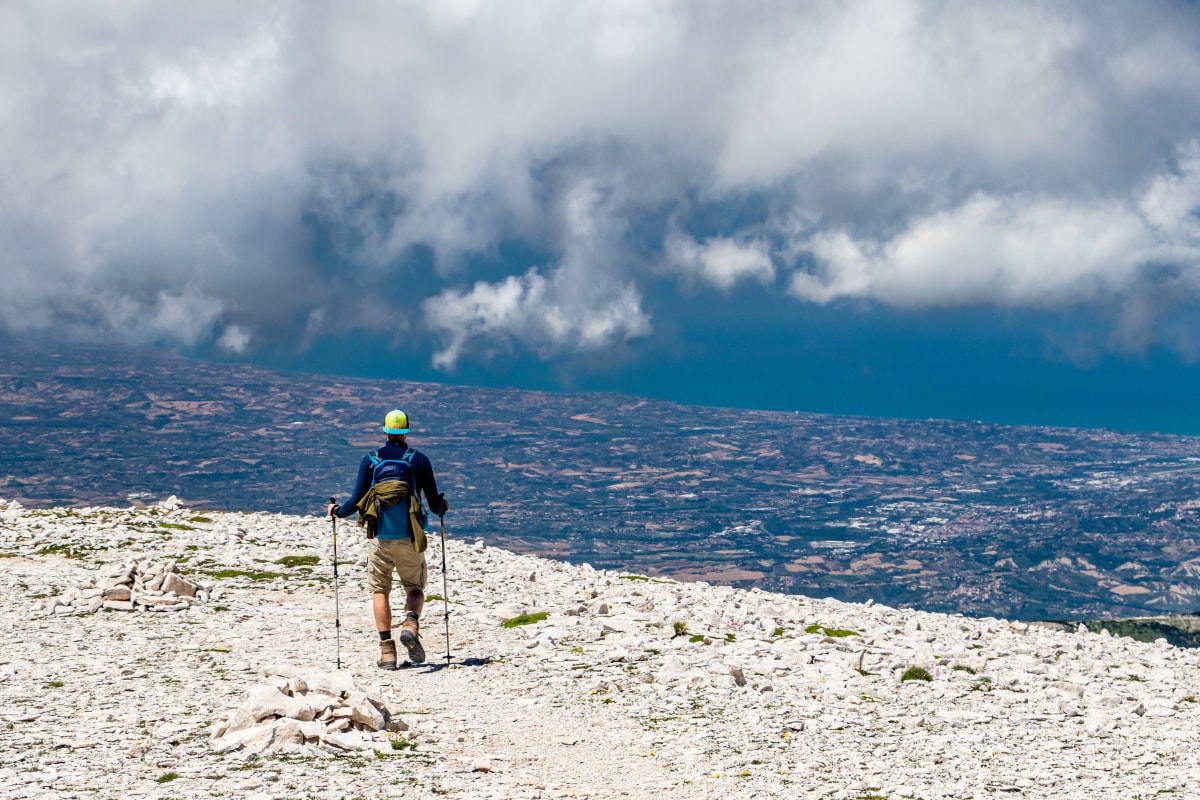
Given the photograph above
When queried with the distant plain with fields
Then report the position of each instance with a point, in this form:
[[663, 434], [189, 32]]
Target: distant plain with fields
[[1028, 523]]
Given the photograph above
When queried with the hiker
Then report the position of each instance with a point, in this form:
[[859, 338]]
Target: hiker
[[385, 497]]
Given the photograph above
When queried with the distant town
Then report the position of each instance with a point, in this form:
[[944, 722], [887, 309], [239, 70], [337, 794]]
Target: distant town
[[1026, 523]]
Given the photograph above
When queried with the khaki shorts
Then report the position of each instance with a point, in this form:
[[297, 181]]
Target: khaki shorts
[[385, 555]]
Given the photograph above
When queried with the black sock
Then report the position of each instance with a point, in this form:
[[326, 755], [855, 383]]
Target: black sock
[[385, 635]]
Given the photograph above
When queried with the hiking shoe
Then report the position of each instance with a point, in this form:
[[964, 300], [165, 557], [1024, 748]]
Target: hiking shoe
[[411, 639], [387, 654]]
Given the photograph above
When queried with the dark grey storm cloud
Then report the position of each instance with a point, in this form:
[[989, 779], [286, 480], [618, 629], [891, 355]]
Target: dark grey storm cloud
[[210, 173]]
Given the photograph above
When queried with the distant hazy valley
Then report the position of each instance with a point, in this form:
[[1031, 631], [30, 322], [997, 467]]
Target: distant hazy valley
[[1033, 523]]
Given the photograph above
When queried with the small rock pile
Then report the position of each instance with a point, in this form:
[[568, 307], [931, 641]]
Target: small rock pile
[[318, 711], [136, 585]]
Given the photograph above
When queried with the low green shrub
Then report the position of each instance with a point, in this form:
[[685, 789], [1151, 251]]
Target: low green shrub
[[299, 561], [836, 633], [916, 674]]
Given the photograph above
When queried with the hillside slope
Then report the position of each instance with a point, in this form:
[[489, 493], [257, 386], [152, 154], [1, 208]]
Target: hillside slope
[[763, 695]]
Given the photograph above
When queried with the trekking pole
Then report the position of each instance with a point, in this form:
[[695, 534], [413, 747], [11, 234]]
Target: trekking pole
[[337, 619], [445, 590]]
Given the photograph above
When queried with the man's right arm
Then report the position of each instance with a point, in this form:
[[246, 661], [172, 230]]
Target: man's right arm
[[361, 484]]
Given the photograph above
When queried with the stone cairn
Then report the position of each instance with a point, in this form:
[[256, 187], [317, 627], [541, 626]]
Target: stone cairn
[[307, 714], [137, 585]]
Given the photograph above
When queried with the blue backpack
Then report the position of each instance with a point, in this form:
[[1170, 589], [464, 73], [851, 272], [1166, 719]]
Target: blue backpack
[[393, 520]]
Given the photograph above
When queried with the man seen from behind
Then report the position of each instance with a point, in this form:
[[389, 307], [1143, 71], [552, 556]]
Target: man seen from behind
[[386, 498]]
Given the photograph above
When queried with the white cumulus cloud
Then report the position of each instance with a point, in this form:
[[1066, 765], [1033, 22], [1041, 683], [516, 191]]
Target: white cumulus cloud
[[1020, 250], [535, 311], [214, 173], [720, 261]]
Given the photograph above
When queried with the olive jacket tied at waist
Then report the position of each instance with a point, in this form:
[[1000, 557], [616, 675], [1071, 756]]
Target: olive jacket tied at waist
[[391, 493]]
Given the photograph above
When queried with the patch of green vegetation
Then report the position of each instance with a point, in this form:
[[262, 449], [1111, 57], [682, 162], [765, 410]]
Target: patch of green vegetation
[[433, 598], [241, 573], [836, 633], [729, 637], [634, 578], [696, 637], [870, 796], [298, 561], [916, 674], [176, 526], [680, 627], [577, 650], [654, 651], [398, 742], [1134, 678], [963, 668], [199, 519], [524, 619], [981, 684], [779, 631], [55, 684], [65, 550], [8, 555], [1189, 699], [166, 777]]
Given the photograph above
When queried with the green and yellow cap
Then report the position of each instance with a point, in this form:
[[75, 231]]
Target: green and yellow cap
[[396, 422]]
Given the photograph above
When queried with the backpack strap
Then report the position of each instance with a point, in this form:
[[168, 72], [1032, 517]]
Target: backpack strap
[[375, 462], [407, 458]]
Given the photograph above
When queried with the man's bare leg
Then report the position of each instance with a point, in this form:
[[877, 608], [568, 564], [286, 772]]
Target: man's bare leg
[[383, 612], [414, 601]]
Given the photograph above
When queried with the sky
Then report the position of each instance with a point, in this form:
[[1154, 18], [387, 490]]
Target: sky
[[888, 207]]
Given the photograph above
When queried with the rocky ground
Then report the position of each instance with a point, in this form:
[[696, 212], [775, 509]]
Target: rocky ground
[[627, 687]]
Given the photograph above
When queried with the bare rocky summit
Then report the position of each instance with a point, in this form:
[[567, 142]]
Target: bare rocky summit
[[602, 684]]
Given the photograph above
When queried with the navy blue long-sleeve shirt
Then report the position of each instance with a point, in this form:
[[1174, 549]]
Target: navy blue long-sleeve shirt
[[422, 476]]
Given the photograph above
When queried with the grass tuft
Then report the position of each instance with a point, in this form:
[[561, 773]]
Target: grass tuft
[[524, 619], [836, 633], [916, 674], [298, 561], [65, 550], [241, 573]]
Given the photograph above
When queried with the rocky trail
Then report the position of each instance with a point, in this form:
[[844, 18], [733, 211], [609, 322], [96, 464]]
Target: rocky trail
[[604, 685]]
